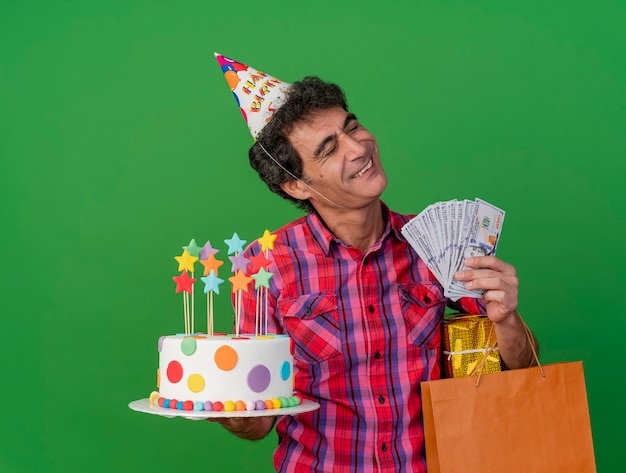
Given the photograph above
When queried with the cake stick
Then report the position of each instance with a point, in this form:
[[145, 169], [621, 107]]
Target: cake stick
[[186, 310], [240, 283], [185, 265], [257, 316], [208, 314], [207, 259], [192, 310], [211, 285], [267, 244], [210, 325], [261, 284], [267, 253], [239, 280], [238, 315], [266, 310], [184, 284]]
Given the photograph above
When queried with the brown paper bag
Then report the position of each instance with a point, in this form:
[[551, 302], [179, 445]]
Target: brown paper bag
[[516, 421]]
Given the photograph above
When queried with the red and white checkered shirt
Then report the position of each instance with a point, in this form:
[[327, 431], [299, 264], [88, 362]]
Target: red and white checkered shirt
[[367, 330]]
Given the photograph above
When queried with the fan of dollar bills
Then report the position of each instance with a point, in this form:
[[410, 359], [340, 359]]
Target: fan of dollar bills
[[445, 233]]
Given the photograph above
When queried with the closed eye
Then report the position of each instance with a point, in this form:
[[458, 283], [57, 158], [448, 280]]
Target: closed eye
[[351, 124], [329, 145]]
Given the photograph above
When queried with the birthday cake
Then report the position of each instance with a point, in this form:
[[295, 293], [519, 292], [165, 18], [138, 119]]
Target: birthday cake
[[224, 372]]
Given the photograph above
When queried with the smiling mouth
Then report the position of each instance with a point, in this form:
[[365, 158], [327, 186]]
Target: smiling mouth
[[363, 169]]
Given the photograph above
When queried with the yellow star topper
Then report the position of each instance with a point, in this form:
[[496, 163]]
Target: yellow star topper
[[186, 261], [267, 240]]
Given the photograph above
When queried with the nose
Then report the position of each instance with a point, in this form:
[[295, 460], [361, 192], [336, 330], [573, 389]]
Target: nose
[[353, 148]]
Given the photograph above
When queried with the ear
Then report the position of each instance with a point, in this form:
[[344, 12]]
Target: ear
[[296, 189]]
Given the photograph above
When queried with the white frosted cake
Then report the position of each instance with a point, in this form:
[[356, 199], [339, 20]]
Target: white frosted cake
[[225, 372]]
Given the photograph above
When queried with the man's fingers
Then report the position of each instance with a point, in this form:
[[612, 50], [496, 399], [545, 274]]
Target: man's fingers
[[489, 262]]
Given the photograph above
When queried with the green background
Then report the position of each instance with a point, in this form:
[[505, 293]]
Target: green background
[[120, 141]]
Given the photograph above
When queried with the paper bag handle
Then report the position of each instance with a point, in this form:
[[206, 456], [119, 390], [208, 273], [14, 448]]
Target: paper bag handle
[[532, 347]]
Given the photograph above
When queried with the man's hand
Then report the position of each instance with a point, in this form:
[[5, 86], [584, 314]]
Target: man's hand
[[249, 428], [499, 281]]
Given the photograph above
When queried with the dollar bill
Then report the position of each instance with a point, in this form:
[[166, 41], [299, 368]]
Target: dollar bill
[[445, 233], [485, 228]]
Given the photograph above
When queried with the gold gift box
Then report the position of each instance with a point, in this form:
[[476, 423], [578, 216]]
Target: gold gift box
[[467, 340]]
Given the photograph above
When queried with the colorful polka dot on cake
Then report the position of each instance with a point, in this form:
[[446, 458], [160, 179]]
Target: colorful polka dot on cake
[[285, 371], [225, 358], [259, 378], [195, 382], [188, 346], [174, 371]]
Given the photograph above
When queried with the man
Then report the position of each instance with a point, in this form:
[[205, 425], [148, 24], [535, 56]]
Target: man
[[363, 310]]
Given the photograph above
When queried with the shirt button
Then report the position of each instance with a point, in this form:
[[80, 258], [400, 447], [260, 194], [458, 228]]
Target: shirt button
[[384, 447], [427, 299], [371, 309], [377, 355], [381, 399]]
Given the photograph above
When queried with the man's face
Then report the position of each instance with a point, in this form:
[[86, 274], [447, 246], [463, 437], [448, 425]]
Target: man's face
[[340, 159]]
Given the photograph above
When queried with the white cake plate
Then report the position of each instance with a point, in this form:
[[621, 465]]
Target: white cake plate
[[143, 405]]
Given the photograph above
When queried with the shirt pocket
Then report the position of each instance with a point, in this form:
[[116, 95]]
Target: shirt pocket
[[423, 305], [312, 322]]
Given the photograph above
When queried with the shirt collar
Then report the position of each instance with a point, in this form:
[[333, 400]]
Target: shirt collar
[[324, 237]]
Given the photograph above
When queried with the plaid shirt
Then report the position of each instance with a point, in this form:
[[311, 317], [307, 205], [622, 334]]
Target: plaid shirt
[[366, 330]]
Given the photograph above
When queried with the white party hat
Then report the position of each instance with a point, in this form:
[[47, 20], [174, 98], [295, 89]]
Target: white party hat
[[257, 94]]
